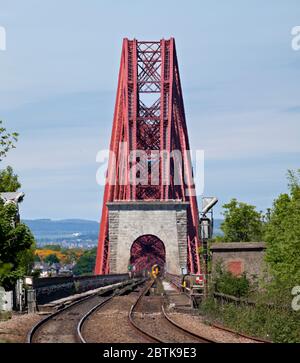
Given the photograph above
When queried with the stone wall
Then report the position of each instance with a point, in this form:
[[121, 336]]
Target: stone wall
[[165, 220], [239, 257]]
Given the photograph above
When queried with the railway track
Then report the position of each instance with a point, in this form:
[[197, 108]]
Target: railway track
[[175, 281], [65, 325], [148, 317]]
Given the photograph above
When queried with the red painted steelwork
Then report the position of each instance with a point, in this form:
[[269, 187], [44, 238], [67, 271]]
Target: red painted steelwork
[[149, 115], [147, 251]]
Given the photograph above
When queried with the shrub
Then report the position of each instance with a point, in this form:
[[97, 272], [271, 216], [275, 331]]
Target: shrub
[[227, 283]]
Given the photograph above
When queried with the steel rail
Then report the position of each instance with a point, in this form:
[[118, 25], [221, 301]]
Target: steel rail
[[36, 327], [84, 318], [149, 336], [165, 316], [98, 306], [221, 327], [201, 338]]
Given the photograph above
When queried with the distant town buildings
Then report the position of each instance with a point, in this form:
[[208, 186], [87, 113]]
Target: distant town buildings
[[54, 269], [82, 244]]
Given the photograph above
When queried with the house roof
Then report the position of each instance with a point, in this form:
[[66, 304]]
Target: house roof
[[15, 197], [238, 246]]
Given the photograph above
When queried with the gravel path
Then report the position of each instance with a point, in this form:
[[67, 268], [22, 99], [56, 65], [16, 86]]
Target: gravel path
[[16, 329]]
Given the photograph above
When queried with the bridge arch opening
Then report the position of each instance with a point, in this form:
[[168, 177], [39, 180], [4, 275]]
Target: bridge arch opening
[[146, 251]]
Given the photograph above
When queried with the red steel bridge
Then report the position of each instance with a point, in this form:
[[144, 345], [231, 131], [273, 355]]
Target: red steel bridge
[[149, 115]]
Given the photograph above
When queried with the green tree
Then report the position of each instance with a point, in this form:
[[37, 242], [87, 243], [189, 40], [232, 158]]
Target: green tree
[[9, 181], [16, 242], [51, 259], [7, 141], [16, 247], [282, 235], [86, 263], [242, 223]]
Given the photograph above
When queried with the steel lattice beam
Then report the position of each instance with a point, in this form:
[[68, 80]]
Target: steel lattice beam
[[149, 69]]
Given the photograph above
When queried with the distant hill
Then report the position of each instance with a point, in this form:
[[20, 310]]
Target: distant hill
[[74, 230], [48, 230]]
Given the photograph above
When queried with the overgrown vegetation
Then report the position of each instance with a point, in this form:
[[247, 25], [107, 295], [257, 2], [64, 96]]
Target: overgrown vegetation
[[16, 241], [226, 283], [272, 323], [283, 237], [272, 316]]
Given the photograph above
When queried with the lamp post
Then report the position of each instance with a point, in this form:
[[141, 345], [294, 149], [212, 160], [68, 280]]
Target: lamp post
[[206, 231]]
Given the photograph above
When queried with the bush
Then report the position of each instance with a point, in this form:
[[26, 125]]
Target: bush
[[51, 259], [271, 317], [226, 283], [271, 323]]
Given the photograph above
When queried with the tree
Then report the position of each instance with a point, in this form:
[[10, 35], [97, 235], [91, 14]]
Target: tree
[[8, 180], [282, 235], [16, 242], [86, 263], [16, 247], [36, 258], [7, 141], [242, 223], [51, 259]]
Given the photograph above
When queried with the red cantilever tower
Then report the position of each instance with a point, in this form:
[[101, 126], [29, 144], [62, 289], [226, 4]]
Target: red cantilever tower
[[149, 115]]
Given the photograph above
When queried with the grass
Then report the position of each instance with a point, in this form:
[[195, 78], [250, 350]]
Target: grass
[[280, 325]]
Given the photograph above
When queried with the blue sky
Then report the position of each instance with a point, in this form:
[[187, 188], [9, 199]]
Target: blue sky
[[240, 80]]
